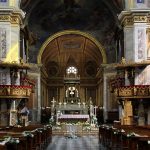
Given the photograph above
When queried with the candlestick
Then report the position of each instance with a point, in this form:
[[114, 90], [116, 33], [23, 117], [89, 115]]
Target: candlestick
[[14, 104]]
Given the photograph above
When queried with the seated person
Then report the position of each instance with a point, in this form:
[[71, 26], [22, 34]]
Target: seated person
[[23, 114], [24, 111]]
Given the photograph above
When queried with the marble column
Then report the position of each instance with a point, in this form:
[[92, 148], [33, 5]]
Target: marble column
[[148, 116], [4, 115], [13, 112], [39, 98], [105, 99], [128, 112], [86, 100], [62, 94], [121, 112], [96, 103], [141, 114]]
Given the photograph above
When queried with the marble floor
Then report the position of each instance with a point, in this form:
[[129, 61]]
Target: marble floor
[[88, 142]]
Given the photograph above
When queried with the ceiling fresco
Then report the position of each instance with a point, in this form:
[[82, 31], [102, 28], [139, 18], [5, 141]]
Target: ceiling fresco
[[97, 17]]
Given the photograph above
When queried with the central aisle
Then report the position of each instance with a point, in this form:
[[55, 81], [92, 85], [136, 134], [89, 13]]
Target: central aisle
[[80, 143]]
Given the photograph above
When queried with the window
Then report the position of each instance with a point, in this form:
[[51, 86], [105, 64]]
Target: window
[[72, 69], [140, 1]]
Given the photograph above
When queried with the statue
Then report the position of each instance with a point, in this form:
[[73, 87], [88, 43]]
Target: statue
[[21, 61], [90, 101], [123, 60]]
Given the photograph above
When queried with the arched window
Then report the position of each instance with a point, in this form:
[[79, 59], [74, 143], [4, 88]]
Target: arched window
[[72, 70]]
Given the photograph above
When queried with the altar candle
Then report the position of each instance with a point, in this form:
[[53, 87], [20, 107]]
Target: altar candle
[[95, 110], [79, 104], [83, 105], [14, 104], [59, 104]]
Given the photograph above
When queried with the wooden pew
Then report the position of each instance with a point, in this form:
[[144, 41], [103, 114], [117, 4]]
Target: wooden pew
[[41, 137], [22, 145], [3, 147], [125, 137]]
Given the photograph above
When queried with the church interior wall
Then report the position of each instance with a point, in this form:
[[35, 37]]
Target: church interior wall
[[136, 49]]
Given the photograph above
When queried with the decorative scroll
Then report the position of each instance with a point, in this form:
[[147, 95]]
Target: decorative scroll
[[3, 47], [15, 91], [141, 43], [133, 91]]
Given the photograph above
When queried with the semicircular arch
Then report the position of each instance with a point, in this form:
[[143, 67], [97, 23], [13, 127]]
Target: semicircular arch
[[65, 32]]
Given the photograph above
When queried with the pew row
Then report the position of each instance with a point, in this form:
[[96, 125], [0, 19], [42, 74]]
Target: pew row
[[125, 137], [25, 138]]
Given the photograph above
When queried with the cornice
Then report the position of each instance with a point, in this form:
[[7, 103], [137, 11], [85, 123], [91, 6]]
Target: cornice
[[128, 18], [9, 10], [14, 16]]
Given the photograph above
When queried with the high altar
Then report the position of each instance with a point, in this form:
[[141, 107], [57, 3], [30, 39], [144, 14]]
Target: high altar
[[71, 110]]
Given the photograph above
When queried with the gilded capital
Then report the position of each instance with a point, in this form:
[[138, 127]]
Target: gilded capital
[[12, 18], [129, 18], [127, 22], [140, 19], [16, 20], [5, 18]]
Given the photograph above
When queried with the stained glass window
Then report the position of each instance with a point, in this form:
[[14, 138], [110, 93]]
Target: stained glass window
[[72, 69]]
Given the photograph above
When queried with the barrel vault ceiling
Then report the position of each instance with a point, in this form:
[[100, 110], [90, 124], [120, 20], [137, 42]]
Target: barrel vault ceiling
[[96, 17]]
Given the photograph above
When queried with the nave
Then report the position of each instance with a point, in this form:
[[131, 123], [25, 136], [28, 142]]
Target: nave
[[74, 66], [88, 142]]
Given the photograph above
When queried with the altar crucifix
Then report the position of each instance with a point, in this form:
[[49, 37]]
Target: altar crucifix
[[53, 102], [72, 91], [53, 107]]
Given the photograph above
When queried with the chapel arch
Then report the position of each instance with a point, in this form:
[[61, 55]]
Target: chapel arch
[[70, 48]]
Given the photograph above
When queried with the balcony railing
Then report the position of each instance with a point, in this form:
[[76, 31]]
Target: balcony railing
[[15, 91], [133, 91]]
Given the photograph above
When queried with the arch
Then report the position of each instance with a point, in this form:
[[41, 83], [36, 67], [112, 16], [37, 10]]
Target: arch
[[65, 32]]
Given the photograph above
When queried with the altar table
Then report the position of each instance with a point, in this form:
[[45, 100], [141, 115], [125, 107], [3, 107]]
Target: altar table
[[73, 118]]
